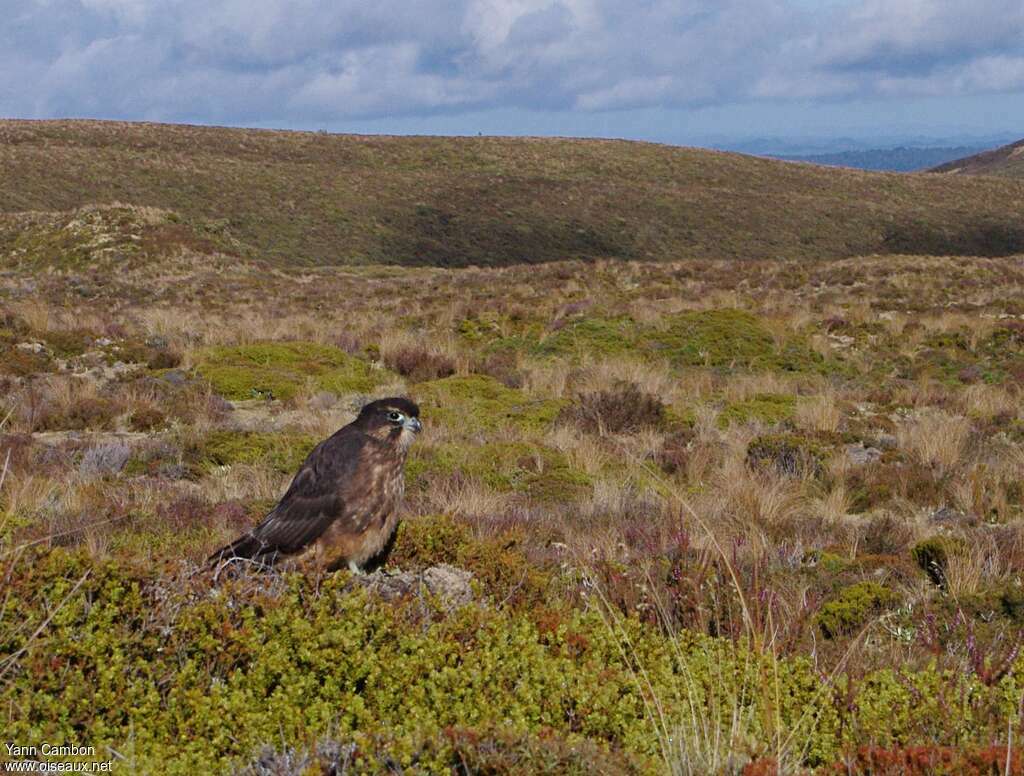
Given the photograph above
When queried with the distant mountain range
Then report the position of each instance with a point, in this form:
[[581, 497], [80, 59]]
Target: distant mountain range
[[1006, 161], [900, 159]]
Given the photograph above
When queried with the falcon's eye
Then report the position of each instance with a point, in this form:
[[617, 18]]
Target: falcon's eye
[[395, 416]]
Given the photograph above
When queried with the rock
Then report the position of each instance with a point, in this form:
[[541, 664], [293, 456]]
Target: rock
[[887, 441], [104, 460], [172, 471], [174, 377], [323, 400], [859, 455], [31, 347], [449, 584], [947, 516]]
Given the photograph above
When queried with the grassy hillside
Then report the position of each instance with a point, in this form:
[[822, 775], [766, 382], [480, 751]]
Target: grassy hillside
[[721, 517], [318, 199], [1006, 162], [726, 517]]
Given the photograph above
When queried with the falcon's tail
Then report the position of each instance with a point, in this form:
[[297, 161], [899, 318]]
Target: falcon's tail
[[247, 547]]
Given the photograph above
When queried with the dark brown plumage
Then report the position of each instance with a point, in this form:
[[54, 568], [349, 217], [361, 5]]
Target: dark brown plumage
[[342, 506]]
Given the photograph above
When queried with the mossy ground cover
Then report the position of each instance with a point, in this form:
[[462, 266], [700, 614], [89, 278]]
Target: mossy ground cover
[[483, 403], [281, 369], [283, 453], [533, 470]]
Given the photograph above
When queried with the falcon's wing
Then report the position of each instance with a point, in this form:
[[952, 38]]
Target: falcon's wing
[[312, 502]]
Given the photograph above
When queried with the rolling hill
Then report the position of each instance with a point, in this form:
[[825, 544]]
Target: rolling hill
[[301, 198], [1006, 162], [676, 516]]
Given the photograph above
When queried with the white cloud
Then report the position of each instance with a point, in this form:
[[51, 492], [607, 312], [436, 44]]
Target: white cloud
[[290, 61]]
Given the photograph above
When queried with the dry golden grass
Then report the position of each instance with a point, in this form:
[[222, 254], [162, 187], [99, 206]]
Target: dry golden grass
[[935, 438], [986, 402], [763, 500], [546, 379], [466, 498], [243, 482], [819, 413], [584, 452], [973, 567]]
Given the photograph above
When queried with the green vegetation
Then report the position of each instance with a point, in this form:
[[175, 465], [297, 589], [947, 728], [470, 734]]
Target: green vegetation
[[481, 402], [315, 198], [591, 336], [729, 338], [852, 608], [718, 515], [714, 338], [788, 454], [281, 452], [768, 408], [203, 682], [1005, 162], [279, 370], [529, 468]]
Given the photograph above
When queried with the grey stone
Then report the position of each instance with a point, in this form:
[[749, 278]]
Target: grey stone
[[323, 400], [947, 516], [174, 377], [859, 455], [887, 441], [104, 460], [449, 584]]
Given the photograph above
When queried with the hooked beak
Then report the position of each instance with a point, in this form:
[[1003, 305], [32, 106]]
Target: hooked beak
[[413, 425]]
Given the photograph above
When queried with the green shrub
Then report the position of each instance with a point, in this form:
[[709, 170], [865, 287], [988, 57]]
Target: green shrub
[[280, 369], [590, 336], [22, 363], [480, 403], [730, 338], [68, 343], [770, 408], [283, 452], [853, 607], [182, 677], [501, 570], [535, 470], [788, 454], [179, 678], [714, 338]]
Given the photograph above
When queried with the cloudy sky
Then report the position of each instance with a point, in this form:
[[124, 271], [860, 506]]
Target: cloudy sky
[[674, 71]]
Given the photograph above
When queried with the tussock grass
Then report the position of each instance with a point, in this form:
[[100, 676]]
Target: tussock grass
[[770, 496], [935, 438]]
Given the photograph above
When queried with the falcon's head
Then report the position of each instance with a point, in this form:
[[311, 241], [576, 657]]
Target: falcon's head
[[396, 419]]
